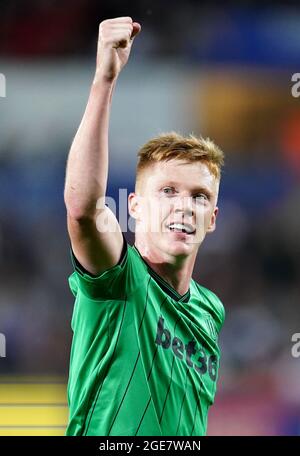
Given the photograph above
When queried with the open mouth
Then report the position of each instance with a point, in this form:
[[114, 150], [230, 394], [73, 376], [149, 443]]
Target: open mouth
[[181, 228]]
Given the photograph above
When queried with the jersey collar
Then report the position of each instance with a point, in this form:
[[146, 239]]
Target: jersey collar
[[166, 287]]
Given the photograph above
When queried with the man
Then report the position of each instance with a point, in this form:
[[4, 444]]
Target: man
[[144, 357]]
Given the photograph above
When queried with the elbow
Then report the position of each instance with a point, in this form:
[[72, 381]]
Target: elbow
[[78, 213], [75, 208], [80, 210]]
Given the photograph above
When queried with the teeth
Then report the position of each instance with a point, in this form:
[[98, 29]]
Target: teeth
[[181, 227]]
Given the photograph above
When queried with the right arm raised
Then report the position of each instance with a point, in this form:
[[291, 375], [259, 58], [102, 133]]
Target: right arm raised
[[87, 167]]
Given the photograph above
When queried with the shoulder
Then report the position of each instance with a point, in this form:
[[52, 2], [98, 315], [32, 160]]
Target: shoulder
[[113, 282], [212, 304]]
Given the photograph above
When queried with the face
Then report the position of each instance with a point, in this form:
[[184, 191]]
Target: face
[[175, 206]]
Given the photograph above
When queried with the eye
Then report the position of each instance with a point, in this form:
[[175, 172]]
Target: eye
[[200, 197], [168, 190]]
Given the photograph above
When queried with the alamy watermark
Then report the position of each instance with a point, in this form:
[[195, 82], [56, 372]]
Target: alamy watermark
[[2, 86], [185, 214], [2, 346], [296, 87], [296, 347]]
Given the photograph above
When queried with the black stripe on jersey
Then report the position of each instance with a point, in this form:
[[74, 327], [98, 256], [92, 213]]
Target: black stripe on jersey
[[141, 420], [184, 394], [108, 366], [170, 382], [197, 408], [183, 398], [150, 372], [152, 362], [126, 389], [135, 364], [168, 390], [145, 307]]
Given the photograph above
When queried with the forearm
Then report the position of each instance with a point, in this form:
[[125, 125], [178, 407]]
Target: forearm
[[87, 167]]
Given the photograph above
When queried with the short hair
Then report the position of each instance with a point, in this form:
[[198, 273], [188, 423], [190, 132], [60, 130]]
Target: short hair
[[172, 145]]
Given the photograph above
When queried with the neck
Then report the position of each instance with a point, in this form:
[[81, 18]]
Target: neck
[[176, 271]]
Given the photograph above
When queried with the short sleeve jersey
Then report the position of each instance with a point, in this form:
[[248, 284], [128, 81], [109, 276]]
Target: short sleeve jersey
[[144, 359]]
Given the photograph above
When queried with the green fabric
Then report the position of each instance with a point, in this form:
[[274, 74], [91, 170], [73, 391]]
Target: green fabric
[[143, 361]]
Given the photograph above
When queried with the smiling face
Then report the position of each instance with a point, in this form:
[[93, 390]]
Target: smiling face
[[175, 206]]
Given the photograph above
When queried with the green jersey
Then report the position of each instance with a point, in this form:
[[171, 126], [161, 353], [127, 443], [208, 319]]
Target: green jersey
[[144, 360]]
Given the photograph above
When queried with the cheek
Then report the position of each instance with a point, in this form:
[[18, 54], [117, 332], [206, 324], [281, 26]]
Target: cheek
[[159, 210], [201, 218], [156, 217], [204, 218], [150, 216], [166, 207]]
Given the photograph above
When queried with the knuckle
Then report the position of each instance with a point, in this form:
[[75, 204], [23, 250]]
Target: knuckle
[[102, 23], [102, 28], [111, 31]]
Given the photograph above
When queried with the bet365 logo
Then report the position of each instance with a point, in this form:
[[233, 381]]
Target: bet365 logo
[[202, 363]]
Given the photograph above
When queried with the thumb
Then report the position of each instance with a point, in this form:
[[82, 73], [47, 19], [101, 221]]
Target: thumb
[[136, 30]]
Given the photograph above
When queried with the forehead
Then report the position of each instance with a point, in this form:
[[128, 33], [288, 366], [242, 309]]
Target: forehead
[[184, 174]]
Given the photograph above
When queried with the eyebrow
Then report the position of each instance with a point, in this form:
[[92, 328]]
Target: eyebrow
[[201, 189]]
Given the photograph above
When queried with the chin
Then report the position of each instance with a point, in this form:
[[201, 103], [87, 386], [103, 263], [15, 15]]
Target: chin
[[178, 248]]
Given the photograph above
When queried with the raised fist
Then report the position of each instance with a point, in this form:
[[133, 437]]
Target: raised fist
[[114, 45]]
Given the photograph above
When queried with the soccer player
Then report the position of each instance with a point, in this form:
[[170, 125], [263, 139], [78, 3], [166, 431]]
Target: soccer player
[[145, 356]]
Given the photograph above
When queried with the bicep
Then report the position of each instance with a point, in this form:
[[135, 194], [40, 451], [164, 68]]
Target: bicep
[[97, 241]]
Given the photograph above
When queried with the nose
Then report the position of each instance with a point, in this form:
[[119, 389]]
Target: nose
[[185, 206]]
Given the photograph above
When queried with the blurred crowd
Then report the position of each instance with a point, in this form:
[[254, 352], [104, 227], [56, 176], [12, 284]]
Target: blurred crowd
[[252, 261], [183, 28]]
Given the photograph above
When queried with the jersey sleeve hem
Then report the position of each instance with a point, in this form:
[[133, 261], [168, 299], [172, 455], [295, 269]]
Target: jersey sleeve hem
[[91, 277]]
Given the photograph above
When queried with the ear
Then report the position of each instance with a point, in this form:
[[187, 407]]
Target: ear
[[134, 206], [212, 225]]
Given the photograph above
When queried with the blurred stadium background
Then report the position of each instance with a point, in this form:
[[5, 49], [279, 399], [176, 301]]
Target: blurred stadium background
[[220, 71]]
